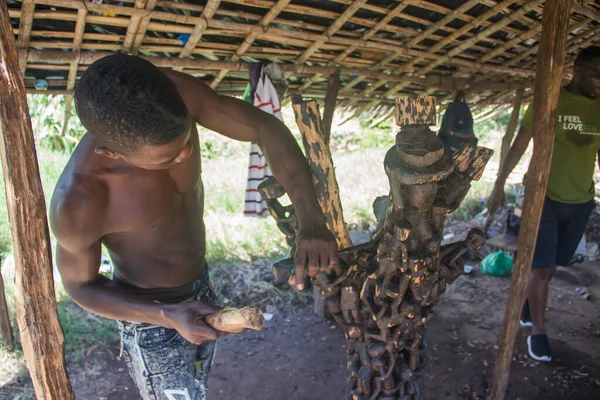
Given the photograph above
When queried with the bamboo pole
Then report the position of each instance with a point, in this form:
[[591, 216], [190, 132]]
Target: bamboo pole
[[219, 24], [249, 40], [132, 28], [331, 30], [366, 36], [25, 26], [446, 41], [74, 67], [512, 126], [86, 58], [550, 60], [142, 27], [41, 335], [207, 13]]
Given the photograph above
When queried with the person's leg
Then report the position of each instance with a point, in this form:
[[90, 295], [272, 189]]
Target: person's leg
[[542, 269], [537, 297]]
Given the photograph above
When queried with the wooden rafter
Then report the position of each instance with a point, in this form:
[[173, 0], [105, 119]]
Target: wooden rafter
[[375, 52], [25, 24], [132, 28], [264, 23], [142, 27], [366, 36], [208, 12], [467, 43]]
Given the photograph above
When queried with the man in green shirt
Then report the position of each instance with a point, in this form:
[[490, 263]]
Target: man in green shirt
[[570, 194]]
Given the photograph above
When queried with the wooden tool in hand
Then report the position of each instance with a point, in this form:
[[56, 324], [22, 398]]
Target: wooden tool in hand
[[235, 320]]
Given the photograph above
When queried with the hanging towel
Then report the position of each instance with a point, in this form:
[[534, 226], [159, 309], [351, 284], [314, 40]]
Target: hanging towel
[[265, 98]]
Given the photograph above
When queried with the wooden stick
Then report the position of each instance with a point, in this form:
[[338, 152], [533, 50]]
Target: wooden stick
[[5, 326], [208, 12], [219, 24], [68, 106], [140, 34], [132, 28], [41, 335], [330, 100], [25, 25], [545, 105], [264, 23], [235, 320], [512, 125]]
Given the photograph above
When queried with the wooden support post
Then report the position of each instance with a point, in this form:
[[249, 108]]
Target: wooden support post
[[41, 334], [548, 79], [512, 126], [68, 107], [320, 162], [330, 100], [5, 326]]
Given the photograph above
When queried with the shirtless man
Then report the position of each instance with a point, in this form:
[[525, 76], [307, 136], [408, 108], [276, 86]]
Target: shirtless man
[[134, 184]]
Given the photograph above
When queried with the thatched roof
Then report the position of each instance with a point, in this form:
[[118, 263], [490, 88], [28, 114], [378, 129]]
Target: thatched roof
[[381, 47]]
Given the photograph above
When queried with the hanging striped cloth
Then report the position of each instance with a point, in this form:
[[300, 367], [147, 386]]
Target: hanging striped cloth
[[265, 98]]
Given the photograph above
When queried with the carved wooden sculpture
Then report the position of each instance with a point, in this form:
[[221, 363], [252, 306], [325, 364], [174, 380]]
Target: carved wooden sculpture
[[383, 291]]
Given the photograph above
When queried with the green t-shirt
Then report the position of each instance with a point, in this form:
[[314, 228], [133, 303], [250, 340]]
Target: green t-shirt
[[576, 143]]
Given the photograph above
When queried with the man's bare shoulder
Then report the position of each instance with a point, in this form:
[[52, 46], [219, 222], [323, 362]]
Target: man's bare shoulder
[[78, 207]]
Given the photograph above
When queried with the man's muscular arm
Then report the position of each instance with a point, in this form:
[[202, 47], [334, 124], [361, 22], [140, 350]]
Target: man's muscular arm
[[76, 216], [239, 120], [513, 156]]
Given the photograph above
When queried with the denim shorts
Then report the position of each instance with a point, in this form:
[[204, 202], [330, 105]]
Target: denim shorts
[[163, 365]]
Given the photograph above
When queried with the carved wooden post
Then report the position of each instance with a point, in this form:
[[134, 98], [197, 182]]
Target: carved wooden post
[[382, 291], [320, 162], [548, 76], [5, 326], [319, 159], [41, 334]]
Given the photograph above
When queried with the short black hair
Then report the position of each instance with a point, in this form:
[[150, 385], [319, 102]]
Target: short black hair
[[586, 55], [126, 102]]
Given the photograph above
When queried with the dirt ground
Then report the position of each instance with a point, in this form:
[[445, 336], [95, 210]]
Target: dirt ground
[[301, 357]]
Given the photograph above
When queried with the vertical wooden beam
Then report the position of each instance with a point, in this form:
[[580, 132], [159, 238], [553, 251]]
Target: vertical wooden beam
[[330, 101], [512, 126], [549, 66], [41, 334], [5, 326]]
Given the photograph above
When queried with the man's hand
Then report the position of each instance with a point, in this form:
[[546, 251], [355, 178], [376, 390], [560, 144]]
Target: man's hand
[[496, 200], [316, 248], [188, 319]]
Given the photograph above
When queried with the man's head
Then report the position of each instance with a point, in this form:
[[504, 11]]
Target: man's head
[[134, 111], [586, 72]]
